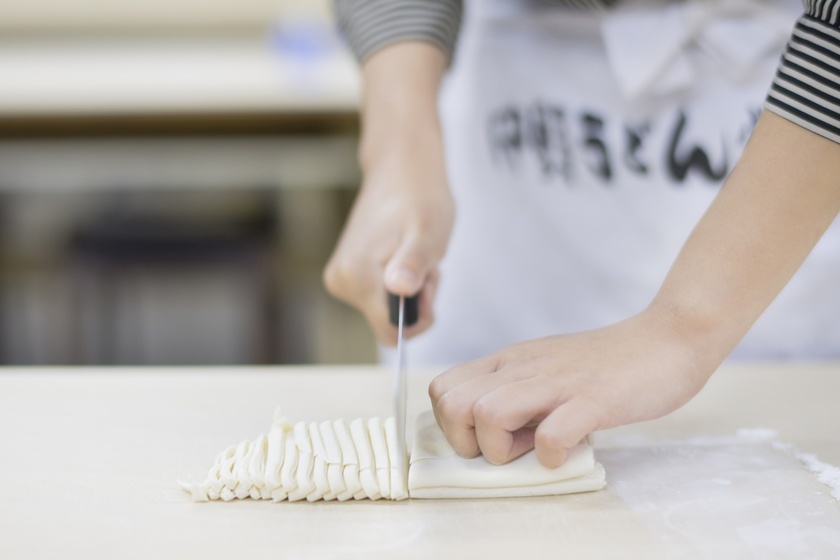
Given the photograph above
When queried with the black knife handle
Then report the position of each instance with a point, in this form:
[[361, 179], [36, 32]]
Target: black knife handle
[[412, 309]]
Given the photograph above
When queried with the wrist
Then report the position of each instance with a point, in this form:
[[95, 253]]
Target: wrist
[[704, 333], [399, 106], [395, 139]]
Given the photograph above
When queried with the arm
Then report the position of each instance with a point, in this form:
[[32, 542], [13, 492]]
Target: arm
[[400, 225], [778, 201], [401, 221]]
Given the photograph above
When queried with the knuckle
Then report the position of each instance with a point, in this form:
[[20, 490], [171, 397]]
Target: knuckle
[[437, 388], [346, 279], [334, 278], [486, 412], [450, 409], [447, 406]]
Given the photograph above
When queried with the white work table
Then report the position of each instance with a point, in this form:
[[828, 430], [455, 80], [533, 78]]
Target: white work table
[[90, 458]]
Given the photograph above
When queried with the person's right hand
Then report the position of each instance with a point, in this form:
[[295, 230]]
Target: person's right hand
[[400, 225], [395, 237]]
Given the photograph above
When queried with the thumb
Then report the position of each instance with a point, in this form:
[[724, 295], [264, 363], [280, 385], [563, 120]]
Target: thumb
[[408, 268]]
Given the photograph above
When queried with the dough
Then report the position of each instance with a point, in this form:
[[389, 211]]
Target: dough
[[319, 468], [380, 452], [436, 471], [337, 461], [306, 461]]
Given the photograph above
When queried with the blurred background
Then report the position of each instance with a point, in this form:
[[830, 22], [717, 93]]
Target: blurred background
[[173, 176]]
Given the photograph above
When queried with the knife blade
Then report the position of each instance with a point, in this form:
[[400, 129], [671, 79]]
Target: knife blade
[[403, 312]]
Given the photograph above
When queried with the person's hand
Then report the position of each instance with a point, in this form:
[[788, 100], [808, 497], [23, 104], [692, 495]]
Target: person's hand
[[552, 392], [400, 225], [396, 235]]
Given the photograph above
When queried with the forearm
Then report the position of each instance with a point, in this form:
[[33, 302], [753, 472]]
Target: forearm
[[778, 201], [399, 104], [400, 224]]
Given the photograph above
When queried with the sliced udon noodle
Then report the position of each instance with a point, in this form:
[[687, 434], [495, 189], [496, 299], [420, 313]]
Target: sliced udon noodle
[[257, 463], [290, 462], [319, 465], [367, 467], [240, 470], [380, 453], [333, 460], [350, 461], [226, 468], [303, 472], [275, 456], [399, 484]]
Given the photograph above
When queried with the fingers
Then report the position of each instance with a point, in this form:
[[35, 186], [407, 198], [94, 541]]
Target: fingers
[[455, 376], [448, 408], [454, 412], [425, 311], [378, 317], [563, 429], [505, 413], [412, 263], [412, 270], [359, 288], [551, 393], [491, 413], [363, 284]]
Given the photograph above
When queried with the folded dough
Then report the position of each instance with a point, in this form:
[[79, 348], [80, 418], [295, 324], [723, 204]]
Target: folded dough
[[337, 461], [436, 471]]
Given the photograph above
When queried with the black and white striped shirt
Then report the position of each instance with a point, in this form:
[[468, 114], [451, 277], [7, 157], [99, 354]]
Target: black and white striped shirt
[[806, 89]]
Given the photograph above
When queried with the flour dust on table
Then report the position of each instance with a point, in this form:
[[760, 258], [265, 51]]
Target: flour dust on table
[[336, 460]]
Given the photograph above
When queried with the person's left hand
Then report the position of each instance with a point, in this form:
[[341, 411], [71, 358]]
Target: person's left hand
[[552, 392]]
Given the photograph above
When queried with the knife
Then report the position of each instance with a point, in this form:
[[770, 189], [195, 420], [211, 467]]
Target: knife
[[402, 312]]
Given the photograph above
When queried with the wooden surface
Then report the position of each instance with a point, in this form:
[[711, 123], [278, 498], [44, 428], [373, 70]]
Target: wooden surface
[[90, 458]]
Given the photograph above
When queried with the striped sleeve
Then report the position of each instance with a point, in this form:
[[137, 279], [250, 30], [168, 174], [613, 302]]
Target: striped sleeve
[[369, 25], [806, 89]]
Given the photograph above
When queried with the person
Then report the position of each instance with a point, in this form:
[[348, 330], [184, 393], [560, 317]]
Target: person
[[585, 148]]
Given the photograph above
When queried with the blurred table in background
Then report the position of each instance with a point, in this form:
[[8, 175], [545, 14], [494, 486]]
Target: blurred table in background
[[268, 82], [186, 112], [191, 123]]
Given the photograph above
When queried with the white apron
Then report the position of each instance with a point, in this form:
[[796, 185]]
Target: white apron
[[581, 153]]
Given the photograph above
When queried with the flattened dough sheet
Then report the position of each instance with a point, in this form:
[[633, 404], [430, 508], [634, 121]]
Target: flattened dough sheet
[[340, 461], [436, 471]]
